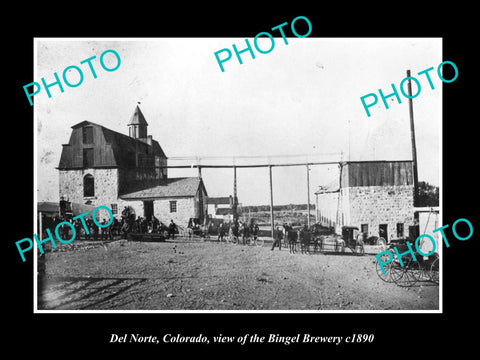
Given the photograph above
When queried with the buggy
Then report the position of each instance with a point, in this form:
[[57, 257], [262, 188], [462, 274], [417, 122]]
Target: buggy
[[352, 239]]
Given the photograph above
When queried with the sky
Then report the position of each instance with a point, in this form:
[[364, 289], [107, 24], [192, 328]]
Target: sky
[[298, 103]]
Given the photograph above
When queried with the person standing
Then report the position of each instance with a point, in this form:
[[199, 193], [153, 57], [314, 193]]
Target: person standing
[[221, 232], [278, 235], [171, 229], [254, 230]]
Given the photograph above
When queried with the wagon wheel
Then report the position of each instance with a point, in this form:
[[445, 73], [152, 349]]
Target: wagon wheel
[[411, 273], [396, 271], [387, 277], [433, 271], [381, 241]]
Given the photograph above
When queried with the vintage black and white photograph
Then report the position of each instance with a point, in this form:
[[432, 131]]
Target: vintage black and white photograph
[[209, 175]]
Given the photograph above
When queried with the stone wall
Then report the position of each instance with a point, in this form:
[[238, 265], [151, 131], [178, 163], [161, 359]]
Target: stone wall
[[106, 183], [375, 205], [185, 210]]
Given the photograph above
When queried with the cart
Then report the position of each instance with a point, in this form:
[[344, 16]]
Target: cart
[[352, 239], [408, 271]]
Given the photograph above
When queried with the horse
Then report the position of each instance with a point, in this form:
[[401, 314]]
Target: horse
[[304, 237], [360, 242], [292, 240]]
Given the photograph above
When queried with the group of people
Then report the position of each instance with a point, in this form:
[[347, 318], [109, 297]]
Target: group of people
[[285, 232], [119, 227], [238, 229], [143, 225], [86, 231]]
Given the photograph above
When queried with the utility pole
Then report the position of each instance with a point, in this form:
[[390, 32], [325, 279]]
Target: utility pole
[[235, 199], [308, 196], [414, 147], [272, 220]]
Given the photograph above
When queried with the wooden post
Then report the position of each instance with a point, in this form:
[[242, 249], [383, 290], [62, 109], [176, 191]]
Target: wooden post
[[272, 219], [235, 199], [308, 196], [41, 257], [414, 147]]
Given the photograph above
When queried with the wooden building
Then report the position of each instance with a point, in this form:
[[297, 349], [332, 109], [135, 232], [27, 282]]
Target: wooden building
[[100, 166], [220, 207]]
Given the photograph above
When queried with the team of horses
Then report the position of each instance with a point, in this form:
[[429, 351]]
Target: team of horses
[[316, 238], [305, 237]]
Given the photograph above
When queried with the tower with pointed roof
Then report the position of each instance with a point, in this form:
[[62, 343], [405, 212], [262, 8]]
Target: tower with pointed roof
[[137, 125]]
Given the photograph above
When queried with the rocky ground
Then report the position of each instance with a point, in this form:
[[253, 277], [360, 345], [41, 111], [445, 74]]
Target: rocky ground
[[206, 275]]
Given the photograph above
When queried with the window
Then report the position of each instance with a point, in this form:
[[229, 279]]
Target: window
[[173, 206], [364, 228], [87, 132], [400, 230], [88, 185], [87, 158], [114, 209]]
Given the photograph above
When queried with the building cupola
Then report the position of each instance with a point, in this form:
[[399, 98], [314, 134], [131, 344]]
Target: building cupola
[[137, 125]]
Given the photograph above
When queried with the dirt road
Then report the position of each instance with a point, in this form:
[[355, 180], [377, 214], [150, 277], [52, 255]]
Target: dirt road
[[196, 275]]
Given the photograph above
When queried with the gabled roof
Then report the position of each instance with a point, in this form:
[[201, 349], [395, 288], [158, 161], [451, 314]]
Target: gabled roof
[[117, 149], [85, 123], [124, 143], [171, 188], [137, 118]]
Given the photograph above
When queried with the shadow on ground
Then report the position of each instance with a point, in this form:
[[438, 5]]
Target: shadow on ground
[[81, 293]]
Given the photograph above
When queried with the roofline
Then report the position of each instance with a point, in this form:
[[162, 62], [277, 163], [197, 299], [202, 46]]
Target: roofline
[[326, 192], [146, 198], [373, 161], [78, 125], [93, 167], [204, 188], [427, 209]]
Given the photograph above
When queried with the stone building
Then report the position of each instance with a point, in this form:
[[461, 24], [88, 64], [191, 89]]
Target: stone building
[[99, 166], [375, 196]]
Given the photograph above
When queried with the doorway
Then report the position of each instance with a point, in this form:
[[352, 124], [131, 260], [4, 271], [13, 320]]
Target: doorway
[[383, 231], [148, 209]]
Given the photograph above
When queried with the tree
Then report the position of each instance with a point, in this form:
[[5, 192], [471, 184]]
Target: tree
[[428, 195]]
